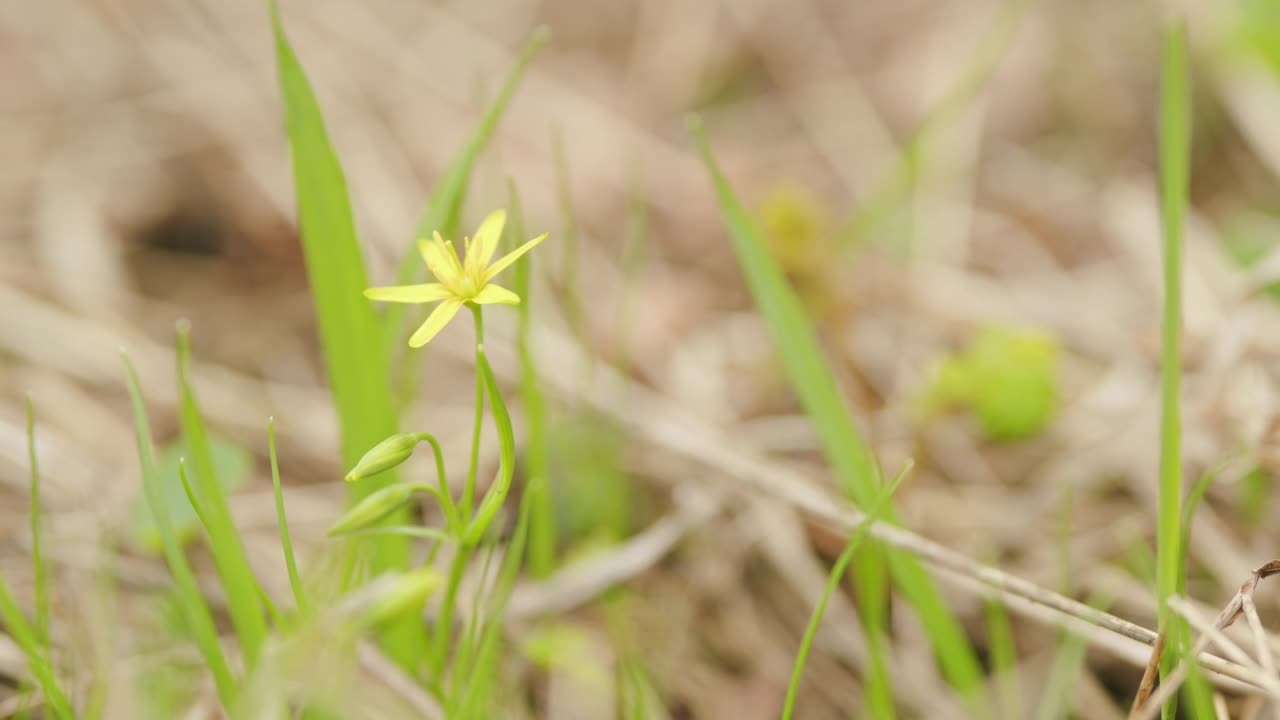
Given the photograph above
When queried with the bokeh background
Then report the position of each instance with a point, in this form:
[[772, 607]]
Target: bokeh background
[[963, 193]]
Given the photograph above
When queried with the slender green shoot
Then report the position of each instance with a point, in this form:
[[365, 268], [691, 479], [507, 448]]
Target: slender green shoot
[[813, 381], [192, 603], [484, 671], [470, 641], [191, 494], [568, 236], [542, 530], [260, 591], [357, 359], [229, 557], [286, 540], [1174, 169], [27, 638], [442, 633], [488, 509], [1194, 498], [1196, 689], [873, 514], [469, 492], [1004, 658], [887, 198], [635, 243], [37, 556], [1055, 701]]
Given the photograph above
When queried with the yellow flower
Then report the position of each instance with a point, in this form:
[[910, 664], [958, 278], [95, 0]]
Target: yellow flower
[[459, 283]]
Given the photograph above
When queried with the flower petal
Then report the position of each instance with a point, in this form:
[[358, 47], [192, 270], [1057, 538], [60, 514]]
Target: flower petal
[[511, 257], [440, 259], [427, 292], [436, 321], [485, 243], [493, 294]]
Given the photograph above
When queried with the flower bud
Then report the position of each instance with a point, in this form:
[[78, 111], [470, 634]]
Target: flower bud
[[369, 511], [406, 593], [385, 455]]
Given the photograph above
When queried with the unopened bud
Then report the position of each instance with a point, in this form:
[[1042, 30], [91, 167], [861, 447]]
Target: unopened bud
[[385, 455], [405, 593], [369, 511]]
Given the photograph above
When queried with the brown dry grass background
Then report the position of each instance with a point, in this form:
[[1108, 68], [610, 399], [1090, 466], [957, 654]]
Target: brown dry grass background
[[144, 177]]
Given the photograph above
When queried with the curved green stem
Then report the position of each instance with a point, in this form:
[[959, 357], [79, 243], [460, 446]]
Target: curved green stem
[[452, 519], [469, 493], [444, 623]]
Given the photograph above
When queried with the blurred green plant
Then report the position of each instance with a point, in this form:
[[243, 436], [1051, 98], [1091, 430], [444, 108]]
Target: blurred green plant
[[813, 380], [1007, 377], [798, 228], [233, 466]]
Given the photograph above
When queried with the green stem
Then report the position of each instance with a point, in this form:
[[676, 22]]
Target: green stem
[[469, 493], [452, 519], [37, 556], [444, 623], [286, 540]]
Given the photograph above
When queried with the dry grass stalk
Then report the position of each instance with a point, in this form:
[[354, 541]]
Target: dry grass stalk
[[1147, 705]]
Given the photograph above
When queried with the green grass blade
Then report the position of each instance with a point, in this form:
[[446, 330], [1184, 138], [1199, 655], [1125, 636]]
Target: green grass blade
[[37, 556], [356, 355], [1197, 689], [568, 237], [497, 493], [191, 493], [286, 540], [238, 581], [887, 199], [354, 359], [1194, 497], [814, 383], [1055, 702], [194, 608], [872, 591], [874, 512], [484, 671], [542, 530], [28, 640], [34, 639], [1174, 153], [445, 206], [1004, 658]]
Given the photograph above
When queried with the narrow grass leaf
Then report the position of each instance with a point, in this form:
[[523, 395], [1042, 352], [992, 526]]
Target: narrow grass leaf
[[1197, 689], [568, 236], [483, 672], [873, 514], [542, 530], [814, 383], [1004, 659], [497, 494], [355, 351], [37, 555], [286, 540], [28, 640], [1174, 170], [238, 581], [887, 200], [1055, 702], [195, 610]]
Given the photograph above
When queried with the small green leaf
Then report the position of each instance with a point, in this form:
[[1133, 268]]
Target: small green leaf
[[233, 466]]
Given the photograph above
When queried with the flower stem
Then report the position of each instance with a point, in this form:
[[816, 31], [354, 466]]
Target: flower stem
[[469, 493], [444, 623]]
